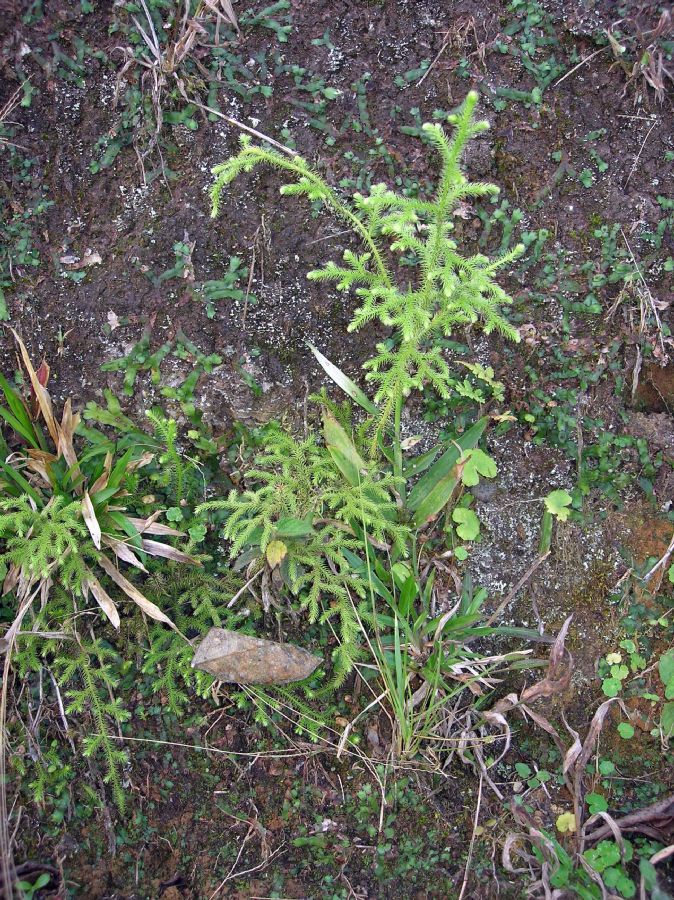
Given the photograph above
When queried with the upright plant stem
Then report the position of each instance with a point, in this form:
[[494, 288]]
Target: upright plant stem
[[397, 449]]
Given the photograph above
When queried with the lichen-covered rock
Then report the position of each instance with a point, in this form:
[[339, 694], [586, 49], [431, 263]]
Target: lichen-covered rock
[[239, 658]]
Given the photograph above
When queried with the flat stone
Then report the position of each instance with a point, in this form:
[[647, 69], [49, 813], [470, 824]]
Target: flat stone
[[242, 659]]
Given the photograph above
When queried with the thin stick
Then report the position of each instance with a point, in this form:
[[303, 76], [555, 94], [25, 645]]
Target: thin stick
[[513, 593], [244, 588], [640, 152], [472, 840], [257, 868], [428, 70], [235, 122], [661, 562], [647, 290], [581, 63]]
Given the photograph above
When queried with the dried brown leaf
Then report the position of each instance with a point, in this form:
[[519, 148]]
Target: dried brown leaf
[[102, 480], [122, 550], [41, 394], [103, 599], [90, 520], [148, 607], [151, 526], [156, 548]]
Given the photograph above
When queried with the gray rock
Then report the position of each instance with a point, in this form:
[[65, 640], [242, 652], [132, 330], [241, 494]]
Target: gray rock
[[239, 658]]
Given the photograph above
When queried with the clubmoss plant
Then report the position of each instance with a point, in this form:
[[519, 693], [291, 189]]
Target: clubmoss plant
[[310, 509], [449, 290]]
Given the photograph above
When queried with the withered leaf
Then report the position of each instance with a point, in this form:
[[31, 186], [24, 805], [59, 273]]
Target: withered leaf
[[242, 659]]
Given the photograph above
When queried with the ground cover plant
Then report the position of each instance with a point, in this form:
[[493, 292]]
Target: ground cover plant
[[442, 462]]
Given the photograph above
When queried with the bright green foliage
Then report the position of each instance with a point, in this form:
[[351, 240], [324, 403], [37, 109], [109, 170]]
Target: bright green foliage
[[49, 541], [92, 673], [450, 290], [558, 503], [297, 493], [317, 507], [173, 471], [196, 601]]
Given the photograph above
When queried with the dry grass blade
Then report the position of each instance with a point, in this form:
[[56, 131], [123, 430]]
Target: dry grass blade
[[558, 676], [583, 757], [123, 552], [156, 548], [6, 111], [148, 607], [90, 520], [41, 395], [65, 447], [103, 599], [151, 526]]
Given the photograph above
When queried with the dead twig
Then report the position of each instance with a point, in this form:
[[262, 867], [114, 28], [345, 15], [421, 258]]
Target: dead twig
[[641, 150], [661, 563], [518, 587], [578, 66], [472, 840]]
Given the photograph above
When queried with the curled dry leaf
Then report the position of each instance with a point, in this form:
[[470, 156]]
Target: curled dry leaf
[[156, 548], [148, 607], [241, 659], [103, 599], [90, 520]]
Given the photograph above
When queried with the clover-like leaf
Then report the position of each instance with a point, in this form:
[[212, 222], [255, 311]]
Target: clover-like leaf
[[605, 854], [476, 463], [557, 503], [276, 553], [596, 803], [468, 524], [611, 686], [566, 823]]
